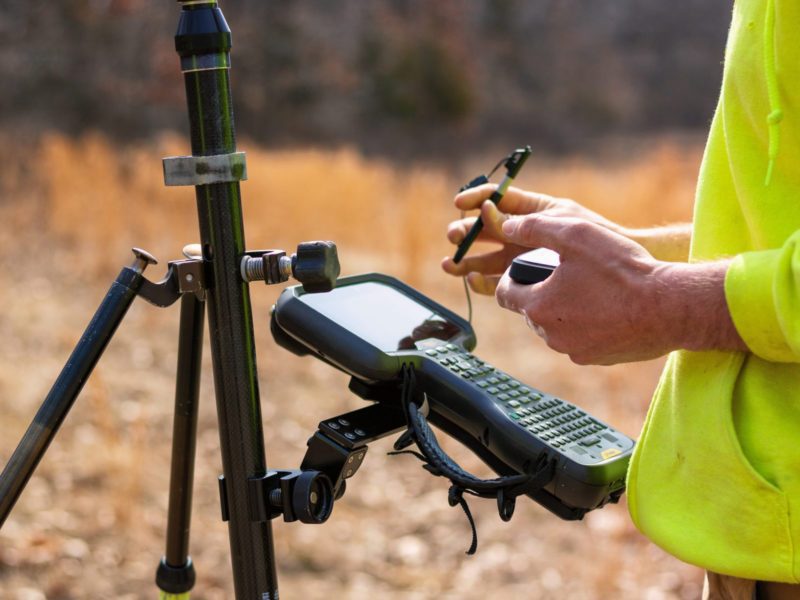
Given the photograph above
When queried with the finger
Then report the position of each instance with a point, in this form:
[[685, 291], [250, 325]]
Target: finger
[[562, 234], [493, 221], [490, 263], [515, 201], [483, 284], [473, 197], [457, 230], [514, 296]]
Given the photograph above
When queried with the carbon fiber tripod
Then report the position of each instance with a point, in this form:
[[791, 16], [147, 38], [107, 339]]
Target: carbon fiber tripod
[[216, 273]]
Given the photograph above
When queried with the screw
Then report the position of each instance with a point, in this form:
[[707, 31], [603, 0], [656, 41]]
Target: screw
[[271, 267], [252, 269], [285, 266], [193, 251], [143, 258]]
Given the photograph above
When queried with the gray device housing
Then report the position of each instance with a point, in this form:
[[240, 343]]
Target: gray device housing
[[587, 476]]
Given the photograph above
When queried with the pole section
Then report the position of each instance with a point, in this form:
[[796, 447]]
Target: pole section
[[203, 42]]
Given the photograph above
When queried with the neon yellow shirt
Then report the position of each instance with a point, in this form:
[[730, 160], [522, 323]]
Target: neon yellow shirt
[[715, 479]]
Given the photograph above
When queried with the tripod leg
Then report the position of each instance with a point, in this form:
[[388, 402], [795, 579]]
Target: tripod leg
[[62, 395], [175, 575]]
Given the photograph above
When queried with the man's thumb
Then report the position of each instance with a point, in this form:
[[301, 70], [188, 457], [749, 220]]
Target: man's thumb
[[519, 228], [511, 225], [533, 230]]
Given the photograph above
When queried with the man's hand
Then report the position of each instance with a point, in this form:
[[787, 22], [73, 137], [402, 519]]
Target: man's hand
[[610, 301], [483, 270]]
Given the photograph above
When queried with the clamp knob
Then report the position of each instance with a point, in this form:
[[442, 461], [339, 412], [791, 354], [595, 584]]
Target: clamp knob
[[316, 266]]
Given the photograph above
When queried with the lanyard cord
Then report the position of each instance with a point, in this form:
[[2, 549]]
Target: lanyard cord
[[466, 290], [505, 488]]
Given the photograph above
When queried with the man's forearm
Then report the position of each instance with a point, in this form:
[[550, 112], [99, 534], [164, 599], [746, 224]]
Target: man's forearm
[[669, 243], [693, 298]]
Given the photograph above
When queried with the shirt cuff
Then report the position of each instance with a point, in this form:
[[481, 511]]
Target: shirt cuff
[[753, 287]]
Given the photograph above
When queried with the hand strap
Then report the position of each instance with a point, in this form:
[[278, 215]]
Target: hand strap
[[505, 488]]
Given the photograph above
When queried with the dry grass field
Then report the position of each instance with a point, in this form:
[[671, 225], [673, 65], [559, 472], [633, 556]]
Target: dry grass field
[[91, 522]]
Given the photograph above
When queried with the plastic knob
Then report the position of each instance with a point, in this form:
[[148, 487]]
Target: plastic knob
[[316, 266]]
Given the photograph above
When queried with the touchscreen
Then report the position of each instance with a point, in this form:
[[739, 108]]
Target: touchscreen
[[382, 315]]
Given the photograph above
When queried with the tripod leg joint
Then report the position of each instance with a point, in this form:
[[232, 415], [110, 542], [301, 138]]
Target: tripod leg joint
[[183, 277]]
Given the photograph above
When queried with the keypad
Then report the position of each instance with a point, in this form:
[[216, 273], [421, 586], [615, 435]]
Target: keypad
[[561, 425]]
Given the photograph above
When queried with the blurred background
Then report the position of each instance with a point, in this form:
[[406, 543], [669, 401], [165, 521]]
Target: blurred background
[[360, 121]]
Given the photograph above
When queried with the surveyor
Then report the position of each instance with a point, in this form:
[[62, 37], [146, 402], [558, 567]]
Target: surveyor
[[715, 478]]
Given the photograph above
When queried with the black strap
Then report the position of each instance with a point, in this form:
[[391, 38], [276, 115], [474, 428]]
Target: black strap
[[455, 495], [505, 488]]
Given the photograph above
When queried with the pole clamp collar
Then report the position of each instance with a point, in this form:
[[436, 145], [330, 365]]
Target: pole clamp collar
[[205, 170]]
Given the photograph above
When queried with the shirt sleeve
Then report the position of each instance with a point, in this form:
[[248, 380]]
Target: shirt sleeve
[[762, 289]]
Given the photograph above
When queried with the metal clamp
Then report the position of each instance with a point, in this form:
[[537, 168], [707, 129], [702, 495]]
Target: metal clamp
[[205, 170], [183, 276], [298, 495]]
